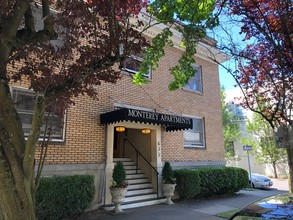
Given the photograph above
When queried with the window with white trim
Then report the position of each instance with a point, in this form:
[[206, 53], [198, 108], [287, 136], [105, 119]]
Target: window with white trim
[[195, 137], [24, 104], [195, 82], [132, 65]]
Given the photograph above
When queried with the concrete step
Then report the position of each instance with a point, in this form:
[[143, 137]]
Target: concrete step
[[142, 203], [139, 191], [129, 163], [136, 204], [140, 186], [140, 197], [123, 159], [139, 180], [130, 167], [135, 176], [133, 171]]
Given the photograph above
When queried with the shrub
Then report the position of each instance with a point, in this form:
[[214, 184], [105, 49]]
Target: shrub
[[168, 174], [210, 181], [242, 178], [119, 175], [221, 180], [188, 183], [59, 197]]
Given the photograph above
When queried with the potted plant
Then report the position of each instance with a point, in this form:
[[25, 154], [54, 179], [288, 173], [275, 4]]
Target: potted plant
[[119, 186], [169, 182]]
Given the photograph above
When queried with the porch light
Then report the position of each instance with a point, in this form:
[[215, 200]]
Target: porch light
[[120, 129], [145, 131]]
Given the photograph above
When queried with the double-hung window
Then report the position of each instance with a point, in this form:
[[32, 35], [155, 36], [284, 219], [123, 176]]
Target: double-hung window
[[132, 65], [24, 104], [195, 83], [195, 137]]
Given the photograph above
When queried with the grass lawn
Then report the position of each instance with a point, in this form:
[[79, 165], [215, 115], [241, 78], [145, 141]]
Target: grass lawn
[[227, 214]]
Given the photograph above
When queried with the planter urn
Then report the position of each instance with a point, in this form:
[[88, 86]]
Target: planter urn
[[118, 195], [168, 192]]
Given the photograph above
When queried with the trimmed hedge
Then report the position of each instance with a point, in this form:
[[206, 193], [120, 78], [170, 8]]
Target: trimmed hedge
[[242, 178], [60, 197], [188, 183], [210, 181]]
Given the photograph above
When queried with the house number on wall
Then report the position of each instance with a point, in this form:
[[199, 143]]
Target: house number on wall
[[159, 151]]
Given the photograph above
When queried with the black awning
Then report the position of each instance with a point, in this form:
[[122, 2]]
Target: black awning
[[171, 122]]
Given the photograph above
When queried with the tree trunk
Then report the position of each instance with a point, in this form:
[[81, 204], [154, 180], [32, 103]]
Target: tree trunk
[[17, 191], [15, 196], [290, 157], [275, 170], [17, 188]]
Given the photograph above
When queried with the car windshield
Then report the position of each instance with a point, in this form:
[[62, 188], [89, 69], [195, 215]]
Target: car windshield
[[276, 207]]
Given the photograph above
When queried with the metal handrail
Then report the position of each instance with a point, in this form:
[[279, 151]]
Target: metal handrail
[[138, 153]]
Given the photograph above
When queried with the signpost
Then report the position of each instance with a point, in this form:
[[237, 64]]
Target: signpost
[[248, 148]]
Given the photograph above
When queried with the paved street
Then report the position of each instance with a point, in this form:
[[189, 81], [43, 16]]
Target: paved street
[[280, 184], [202, 210]]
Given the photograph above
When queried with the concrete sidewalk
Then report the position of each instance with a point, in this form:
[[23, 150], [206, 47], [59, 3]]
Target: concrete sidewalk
[[202, 210]]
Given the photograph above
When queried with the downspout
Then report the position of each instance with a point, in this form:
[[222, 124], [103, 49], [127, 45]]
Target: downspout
[[102, 187]]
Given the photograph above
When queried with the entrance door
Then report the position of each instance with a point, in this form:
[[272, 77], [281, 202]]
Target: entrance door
[[118, 143]]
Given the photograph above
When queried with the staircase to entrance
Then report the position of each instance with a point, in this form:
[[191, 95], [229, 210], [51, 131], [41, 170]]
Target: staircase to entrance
[[140, 191]]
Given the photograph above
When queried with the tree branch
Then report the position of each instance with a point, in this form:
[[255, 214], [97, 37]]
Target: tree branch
[[12, 23], [29, 19], [29, 155], [71, 82], [47, 17]]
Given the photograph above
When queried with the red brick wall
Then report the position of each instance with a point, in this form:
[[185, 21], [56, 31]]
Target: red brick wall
[[85, 140]]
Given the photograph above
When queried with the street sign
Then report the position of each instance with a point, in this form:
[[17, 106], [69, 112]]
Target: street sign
[[247, 148]]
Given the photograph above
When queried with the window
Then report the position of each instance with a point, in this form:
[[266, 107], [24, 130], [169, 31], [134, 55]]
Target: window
[[195, 137], [132, 64], [195, 82], [24, 104]]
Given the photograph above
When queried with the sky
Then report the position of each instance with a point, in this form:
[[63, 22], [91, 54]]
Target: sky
[[226, 32], [226, 79]]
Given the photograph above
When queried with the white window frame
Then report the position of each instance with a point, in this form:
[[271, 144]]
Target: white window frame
[[140, 59], [53, 139], [198, 78], [193, 131]]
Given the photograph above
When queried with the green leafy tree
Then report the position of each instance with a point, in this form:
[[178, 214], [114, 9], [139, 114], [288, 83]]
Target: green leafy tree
[[264, 145], [231, 127], [263, 51]]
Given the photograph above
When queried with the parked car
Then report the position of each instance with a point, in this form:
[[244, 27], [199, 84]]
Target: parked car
[[273, 207], [259, 181]]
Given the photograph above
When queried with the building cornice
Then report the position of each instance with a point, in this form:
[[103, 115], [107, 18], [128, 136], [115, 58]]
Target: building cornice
[[206, 49]]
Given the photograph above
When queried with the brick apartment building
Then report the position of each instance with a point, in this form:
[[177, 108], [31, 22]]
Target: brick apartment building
[[89, 141]]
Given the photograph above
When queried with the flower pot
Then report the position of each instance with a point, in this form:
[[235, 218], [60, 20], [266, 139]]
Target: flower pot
[[118, 195], [168, 191]]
